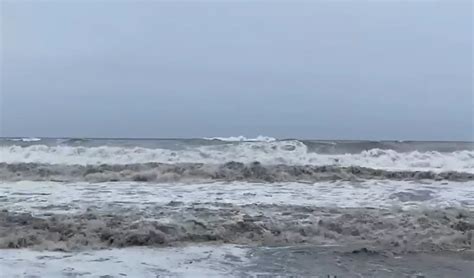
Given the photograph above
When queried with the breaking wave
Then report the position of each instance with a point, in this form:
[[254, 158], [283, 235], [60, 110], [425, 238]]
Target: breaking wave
[[28, 139], [382, 230], [199, 172], [267, 153], [241, 138]]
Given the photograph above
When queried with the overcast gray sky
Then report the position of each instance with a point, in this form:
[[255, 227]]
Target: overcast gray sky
[[315, 69]]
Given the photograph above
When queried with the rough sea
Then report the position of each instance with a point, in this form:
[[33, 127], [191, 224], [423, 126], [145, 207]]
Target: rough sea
[[235, 207]]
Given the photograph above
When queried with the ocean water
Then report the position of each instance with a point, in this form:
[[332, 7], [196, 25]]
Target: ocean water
[[235, 207]]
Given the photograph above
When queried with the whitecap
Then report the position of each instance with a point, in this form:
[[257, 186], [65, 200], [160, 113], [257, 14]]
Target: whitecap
[[241, 138], [27, 139]]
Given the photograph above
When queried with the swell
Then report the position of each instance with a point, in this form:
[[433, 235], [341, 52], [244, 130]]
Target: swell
[[383, 230], [230, 171]]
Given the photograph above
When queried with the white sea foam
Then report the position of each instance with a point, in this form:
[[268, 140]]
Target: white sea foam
[[188, 261], [241, 138], [204, 261], [278, 152], [396, 216], [53, 197], [29, 139]]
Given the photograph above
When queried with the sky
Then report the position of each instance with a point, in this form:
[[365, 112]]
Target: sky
[[376, 70]]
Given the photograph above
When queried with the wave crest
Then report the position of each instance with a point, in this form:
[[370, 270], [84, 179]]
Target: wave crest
[[28, 139], [198, 172], [384, 230], [267, 153], [241, 138]]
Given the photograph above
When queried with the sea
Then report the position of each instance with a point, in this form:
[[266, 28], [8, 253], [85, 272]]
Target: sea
[[235, 207]]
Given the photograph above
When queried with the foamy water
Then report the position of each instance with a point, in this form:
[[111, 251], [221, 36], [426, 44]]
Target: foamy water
[[235, 207], [202, 261], [53, 197], [281, 152]]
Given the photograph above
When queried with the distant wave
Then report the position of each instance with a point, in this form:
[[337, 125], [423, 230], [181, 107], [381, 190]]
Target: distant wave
[[28, 139], [198, 172], [72, 141], [243, 139], [267, 153]]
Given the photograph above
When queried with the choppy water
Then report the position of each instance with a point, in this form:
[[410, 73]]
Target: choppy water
[[374, 200], [393, 156]]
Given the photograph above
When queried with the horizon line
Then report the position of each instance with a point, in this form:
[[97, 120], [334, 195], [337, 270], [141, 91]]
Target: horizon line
[[211, 138]]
